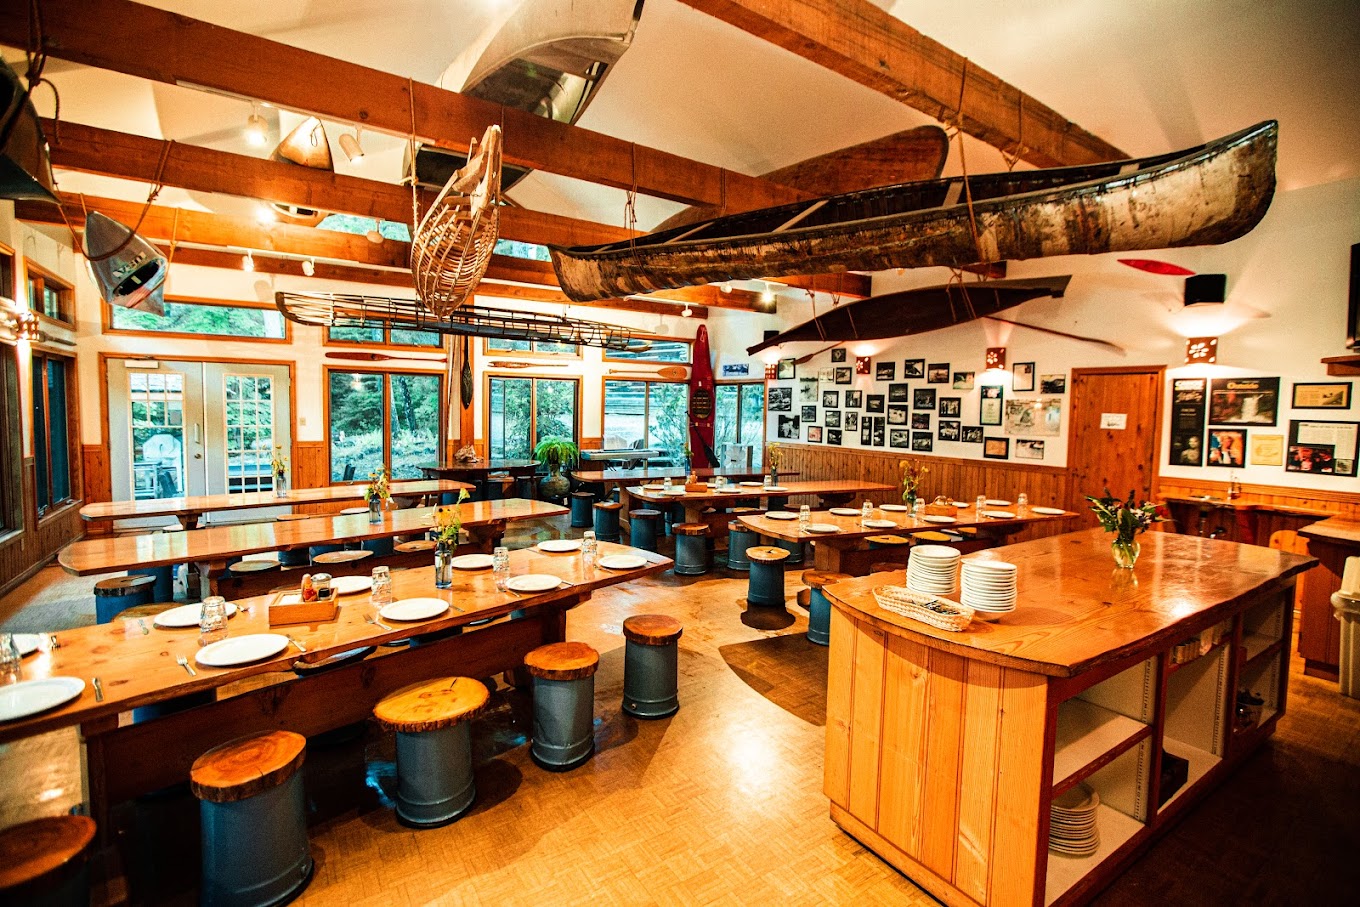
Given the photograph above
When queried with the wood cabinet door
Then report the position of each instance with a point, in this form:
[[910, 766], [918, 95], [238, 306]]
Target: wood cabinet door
[[1115, 431]]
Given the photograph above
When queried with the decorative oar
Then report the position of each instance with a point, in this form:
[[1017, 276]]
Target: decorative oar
[[384, 357], [1033, 327], [670, 373]]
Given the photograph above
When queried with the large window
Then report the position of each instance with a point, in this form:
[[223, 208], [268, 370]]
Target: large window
[[377, 418], [249, 411], [381, 337], [647, 414], [541, 347], [657, 350], [739, 418], [208, 319], [523, 411], [53, 421], [156, 414], [47, 295]]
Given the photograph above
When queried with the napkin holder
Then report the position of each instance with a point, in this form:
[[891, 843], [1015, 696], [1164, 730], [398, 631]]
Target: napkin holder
[[287, 608], [696, 487]]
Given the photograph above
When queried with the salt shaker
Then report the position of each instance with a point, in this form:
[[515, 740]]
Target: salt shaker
[[590, 547], [212, 620], [380, 596], [9, 659], [500, 566]]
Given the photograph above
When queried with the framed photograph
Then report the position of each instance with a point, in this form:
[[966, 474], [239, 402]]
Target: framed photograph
[[833, 436], [1329, 395], [1033, 416], [1266, 450], [844, 374], [786, 370], [814, 434], [989, 407], [876, 404], [996, 448], [971, 434], [826, 375], [922, 441], [937, 373], [951, 407], [852, 421], [899, 393], [885, 371], [866, 431], [1029, 449], [913, 368], [838, 354], [924, 398], [807, 390], [854, 399], [963, 381], [809, 413], [831, 399], [1244, 401], [788, 428], [1022, 377], [1316, 458], [899, 437], [1188, 407], [1341, 437], [920, 421], [880, 431], [736, 370], [1052, 384], [781, 399], [1228, 447], [832, 418], [948, 430], [897, 415]]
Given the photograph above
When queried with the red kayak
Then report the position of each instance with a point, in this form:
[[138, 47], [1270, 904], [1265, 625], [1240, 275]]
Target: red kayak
[[701, 404]]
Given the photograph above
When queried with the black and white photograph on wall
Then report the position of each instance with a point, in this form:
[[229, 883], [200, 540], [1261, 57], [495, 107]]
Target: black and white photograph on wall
[[1034, 416], [996, 448], [920, 421], [866, 431], [963, 381], [885, 371], [875, 404], [1052, 384], [826, 375], [833, 436], [814, 434], [852, 421], [949, 430], [844, 374], [899, 437], [897, 415], [1341, 437], [951, 407], [922, 441], [831, 399], [854, 399], [880, 431], [899, 393], [1022, 377], [807, 390], [736, 370], [971, 434], [1029, 449], [788, 428], [838, 354], [924, 398], [989, 406], [1188, 402], [781, 399], [914, 368], [1244, 401], [809, 413], [832, 418], [786, 370], [1228, 447], [937, 373]]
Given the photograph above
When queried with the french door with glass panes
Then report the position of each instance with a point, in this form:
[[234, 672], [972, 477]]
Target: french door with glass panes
[[179, 428]]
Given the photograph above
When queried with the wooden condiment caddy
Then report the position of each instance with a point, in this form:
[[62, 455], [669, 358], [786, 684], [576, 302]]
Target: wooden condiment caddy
[[287, 607], [693, 484], [941, 510]]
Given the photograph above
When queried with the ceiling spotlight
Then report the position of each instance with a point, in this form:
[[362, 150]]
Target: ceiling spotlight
[[354, 152], [247, 262], [265, 215], [309, 267], [725, 287], [257, 130], [687, 313]]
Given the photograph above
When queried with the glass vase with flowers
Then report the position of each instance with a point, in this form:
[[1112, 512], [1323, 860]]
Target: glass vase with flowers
[[448, 522], [1126, 519]]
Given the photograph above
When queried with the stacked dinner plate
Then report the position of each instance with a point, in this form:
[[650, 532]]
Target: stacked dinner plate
[[988, 587], [933, 569], [1072, 829]]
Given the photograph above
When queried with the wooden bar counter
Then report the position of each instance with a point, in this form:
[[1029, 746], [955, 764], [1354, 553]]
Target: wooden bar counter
[[944, 750]]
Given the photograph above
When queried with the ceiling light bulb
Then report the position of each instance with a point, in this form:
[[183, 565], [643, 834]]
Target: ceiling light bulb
[[725, 287], [247, 262], [357, 383], [309, 267], [265, 215], [257, 130], [354, 152], [687, 313]]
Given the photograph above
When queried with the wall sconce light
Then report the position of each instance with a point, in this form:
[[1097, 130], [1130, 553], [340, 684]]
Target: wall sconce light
[[861, 365], [771, 371], [26, 326], [996, 357], [1201, 349]]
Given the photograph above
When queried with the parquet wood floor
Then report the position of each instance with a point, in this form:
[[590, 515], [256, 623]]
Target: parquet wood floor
[[719, 804]]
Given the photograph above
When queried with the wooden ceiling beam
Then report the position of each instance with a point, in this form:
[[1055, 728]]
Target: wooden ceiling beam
[[862, 42], [194, 53]]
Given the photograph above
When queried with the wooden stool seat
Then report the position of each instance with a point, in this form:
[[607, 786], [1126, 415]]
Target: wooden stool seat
[[42, 854], [766, 554], [887, 540], [932, 535], [608, 505], [562, 661], [242, 768], [144, 611], [432, 704], [886, 567], [819, 578], [119, 586], [341, 557], [690, 528], [644, 514], [255, 566], [293, 517], [415, 546], [742, 510], [583, 496], [652, 629]]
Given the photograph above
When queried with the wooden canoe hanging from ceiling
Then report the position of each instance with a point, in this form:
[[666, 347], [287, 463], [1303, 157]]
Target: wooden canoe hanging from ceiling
[[25, 168], [307, 146], [1202, 196]]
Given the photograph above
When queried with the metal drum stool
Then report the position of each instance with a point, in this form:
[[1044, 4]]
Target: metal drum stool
[[163, 577], [651, 665], [254, 567], [581, 504], [794, 548], [607, 521], [340, 558], [691, 549], [118, 593], [766, 587], [819, 607], [45, 862], [892, 546], [253, 820], [434, 747], [739, 538], [379, 547], [642, 528], [564, 704]]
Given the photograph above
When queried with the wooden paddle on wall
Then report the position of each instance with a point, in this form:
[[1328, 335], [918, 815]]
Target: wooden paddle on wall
[[670, 373], [384, 357]]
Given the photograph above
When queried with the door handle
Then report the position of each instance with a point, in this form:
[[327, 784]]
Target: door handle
[[198, 456], [198, 434]]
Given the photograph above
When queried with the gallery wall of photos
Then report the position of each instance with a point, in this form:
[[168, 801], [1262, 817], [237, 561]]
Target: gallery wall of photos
[[918, 406]]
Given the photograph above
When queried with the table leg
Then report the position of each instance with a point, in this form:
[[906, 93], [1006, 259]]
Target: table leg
[[93, 771], [213, 572]]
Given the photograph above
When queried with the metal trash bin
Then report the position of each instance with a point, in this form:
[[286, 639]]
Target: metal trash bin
[[1347, 610]]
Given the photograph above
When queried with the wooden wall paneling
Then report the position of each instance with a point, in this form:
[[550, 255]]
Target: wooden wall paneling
[[866, 720], [904, 746], [978, 778], [310, 470], [943, 752], [1021, 795], [839, 703], [1316, 501]]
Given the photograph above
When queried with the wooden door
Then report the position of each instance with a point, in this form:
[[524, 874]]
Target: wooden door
[[1114, 433]]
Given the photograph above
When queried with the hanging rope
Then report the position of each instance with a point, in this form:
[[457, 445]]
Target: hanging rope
[[35, 59], [630, 205], [963, 163], [156, 186], [411, 152], [1012, 155]]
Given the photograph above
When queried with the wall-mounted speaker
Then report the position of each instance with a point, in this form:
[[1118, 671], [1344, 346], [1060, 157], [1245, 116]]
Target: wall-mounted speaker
[[1202, 289]]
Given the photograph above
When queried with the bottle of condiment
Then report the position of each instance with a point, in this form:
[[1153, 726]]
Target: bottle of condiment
[[308, 588], [321, 582]]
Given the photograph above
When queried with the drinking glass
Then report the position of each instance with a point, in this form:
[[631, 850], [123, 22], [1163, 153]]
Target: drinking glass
[[866, 512], [1022, 502], [804, 518], [9, 659], [980, 505], [380, 596], [212, 620], [590, 548], [500, 566]]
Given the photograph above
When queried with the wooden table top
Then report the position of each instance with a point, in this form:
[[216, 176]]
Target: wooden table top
[[212, 503], [110, 554], [789, 490], [1337, 529], [620, 476], [1244, 503], [135, 660], [850, 527], [1076, 610], [480, 467]]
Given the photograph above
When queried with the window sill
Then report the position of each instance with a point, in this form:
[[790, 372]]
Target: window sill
[[57, 510], [11, 537]]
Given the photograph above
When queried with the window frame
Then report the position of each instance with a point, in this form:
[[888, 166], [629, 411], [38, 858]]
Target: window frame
[[386, 343], [386, 374], [533, 405], [11, 292], [107, 326], [532, 352], [647, 414], [765, 428], [688, 341], [73, 477], [35, 273], [12, 509]]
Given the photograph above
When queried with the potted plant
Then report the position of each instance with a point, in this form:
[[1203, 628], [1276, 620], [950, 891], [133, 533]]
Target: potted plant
[[912, 474], [772, 455], [557, 454], [1126, 519]]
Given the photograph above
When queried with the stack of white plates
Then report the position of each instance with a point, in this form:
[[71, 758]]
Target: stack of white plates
[[1072, 828], [988, 587], [933, 569]]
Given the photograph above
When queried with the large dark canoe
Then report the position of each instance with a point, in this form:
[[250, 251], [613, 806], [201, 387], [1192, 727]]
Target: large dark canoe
[[1203, 196], [918, 311]]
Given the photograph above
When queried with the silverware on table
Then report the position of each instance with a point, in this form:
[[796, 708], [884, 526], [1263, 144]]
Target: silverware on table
[[141, 622], [98, 690], [184, 663], [52, 641], [375, 621], [301, 647]]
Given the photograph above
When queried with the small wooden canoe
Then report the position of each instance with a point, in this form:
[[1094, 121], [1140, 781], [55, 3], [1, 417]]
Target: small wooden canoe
[[1206, 195]]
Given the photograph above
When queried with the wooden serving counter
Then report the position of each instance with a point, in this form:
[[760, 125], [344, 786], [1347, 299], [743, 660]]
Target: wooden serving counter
[[944, 750]]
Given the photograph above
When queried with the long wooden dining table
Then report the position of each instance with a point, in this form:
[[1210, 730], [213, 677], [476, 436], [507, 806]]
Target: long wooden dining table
[[135, 663], [191, 510], [830, 491]]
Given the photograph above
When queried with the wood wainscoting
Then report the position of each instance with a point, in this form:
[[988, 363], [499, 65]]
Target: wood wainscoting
[[27, 551], [311, 464]]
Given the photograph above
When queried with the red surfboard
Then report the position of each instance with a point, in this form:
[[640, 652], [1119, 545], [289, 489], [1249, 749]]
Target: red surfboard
[[701, 404]]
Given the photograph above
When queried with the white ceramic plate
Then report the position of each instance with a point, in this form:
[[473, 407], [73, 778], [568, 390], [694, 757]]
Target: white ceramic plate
[[1049, 511], [960, 504], [472, 562], [351, 585], [414, 609], [242, 650], [728, 489], [653, 487], [557, 546], [997, 502], [675, 492], [622, 562], [775, 488], [351, 510], [27, 643], [935, 552], [534, 582], [29, 697], [999, 514], [932, 518], [752, 484], [1002, 567], [823, 527], [895, 508], [879, 524], [844, 511], [780, 515], [185, 616]]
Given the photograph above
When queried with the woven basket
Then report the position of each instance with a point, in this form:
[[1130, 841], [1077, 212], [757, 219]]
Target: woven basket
[[928, 609]]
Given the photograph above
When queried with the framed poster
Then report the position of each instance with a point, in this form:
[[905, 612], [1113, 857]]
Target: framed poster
[[844, 374], [897, 415], [948, 430], [996, 448], [875, 404], [866, 431], [1341, 437], [1329, 395], [1228, 447], [899, 393], [832, 418], [1052, 384], [922, 441], [826, 375], [920, 421], [854, 399], [924, 398], [989, 407], [1244, 401], [807, 390], [1022, 377], [963, 381], [913, 368], [781, 399], [736, 370], [1266, 450], [971, 434], [788, 428], [1188, 401], [880, 431], [852, 421], [885, 371], [937, 373], [1033, 416], [1029, 449], [950, 407], [814, 434], [786, 370], [831, 399], [833, 436], [838, 354], [899, 437], [809, 413]]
